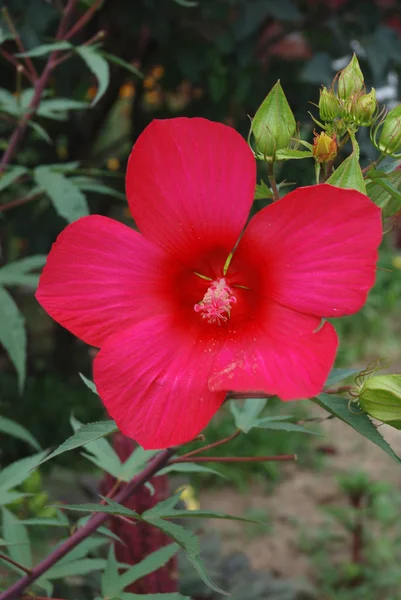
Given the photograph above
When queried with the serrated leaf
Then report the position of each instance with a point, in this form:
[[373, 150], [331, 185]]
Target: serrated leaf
[[190, 468], [101, 530], [110, 577], [44, 49], [246, 413], [188, 542], [18, 471], [45, 522], [15, 533], [349, 175], [76, 567], [99, 67], [262, 191], [89, 384], [67, 198], [385, 192], [13, 334], [292, 154], [10, 427], [110, 509], [135, 463], [267, 423], [337, 375], [100, 451], [338, 406], [122, 63], [12, 174], [82, 550], [17, 272], [84, 435]]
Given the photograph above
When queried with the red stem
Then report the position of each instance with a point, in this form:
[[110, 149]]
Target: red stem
[[157, 463], [83, 20], [15, 563], [214, 445], [11, 59]]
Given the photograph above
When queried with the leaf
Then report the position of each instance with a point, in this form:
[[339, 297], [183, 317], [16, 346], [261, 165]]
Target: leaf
[[338, 406], [122, 63], [349, 174], [57, 108], [12, 174], [9, 497], [41, 131], [13, 334], [385, 192], [67, 198], [188, 542], [75, 567], [189, 468], [292, 154], [149, 564], [17, 272], [111, 509], [100, 451], [46, 49], [267, 423], [246, 416], [337, 375], [16, 534], [110, 577], [18, 471], [87, 184], [16, 430], [84, 435], [99, 67], [262, 191], [135, 463], [89, 384], [83, 549]]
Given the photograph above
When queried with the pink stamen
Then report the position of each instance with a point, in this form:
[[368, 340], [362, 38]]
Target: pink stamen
[[216, 303]]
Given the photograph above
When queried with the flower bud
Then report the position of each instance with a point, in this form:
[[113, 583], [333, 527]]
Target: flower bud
[[362, 108], [324, 147], [329, 107], [390, 135], [273, 125], [350, 80], [380, 397]]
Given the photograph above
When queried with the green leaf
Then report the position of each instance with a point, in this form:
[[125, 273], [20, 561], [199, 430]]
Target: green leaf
[[57, 108], [9, 497], [41, 131], [135, 463], [337, 375], [18, 471], [17, 272], [84, 435], [10, 427], [262, 191], [349, 175], [76, 567], [89, 384], [292, 154], [12, 174], [87, 184], [246, 413], [122, 63], [16, 534], [46, 49], [110, 577], [150, 563], [188, 542], [83, 549], [112, 508], [46, 522], [267, 423], [67, 198], [190, 468], [99, 67], [13, 334], [100, 451], [385, 192], [339, 407]]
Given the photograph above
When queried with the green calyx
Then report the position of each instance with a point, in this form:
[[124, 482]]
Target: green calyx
[[350, 80], [380, 397]]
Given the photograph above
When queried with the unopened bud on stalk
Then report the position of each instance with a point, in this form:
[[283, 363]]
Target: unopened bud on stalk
[[380, 397], [324, 147], [362, 108], [350, 80], [390, 132], [273, 125], [329, 107]]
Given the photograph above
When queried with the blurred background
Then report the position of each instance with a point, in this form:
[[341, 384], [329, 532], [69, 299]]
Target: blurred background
[[217, 59]]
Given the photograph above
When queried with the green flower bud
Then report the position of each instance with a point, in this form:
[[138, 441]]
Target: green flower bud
[[390, 135], [273, 125], [329, 107], [380, 397], [350, 80], [362, 108]]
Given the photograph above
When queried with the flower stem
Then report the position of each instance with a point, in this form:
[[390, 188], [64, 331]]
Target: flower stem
[[272, 179], [208, 447], [157, 463], [233, 459]]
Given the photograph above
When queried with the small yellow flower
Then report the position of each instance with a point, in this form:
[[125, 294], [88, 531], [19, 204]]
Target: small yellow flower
[[113, 164], [396, 262], [153, 97], [127, 90], [149, 83], [324, 147], [157, 72], [188, 497]]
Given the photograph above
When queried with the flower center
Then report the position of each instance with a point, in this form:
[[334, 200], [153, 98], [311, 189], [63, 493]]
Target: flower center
[[216, 304]]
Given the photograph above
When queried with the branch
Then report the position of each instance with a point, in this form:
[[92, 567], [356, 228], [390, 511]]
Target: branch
[[157, 463], [209, 446], [19, 201], [83, 20], [17, 38], [15, 563]]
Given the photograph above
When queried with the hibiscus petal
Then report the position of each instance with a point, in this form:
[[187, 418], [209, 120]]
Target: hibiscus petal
[[190, 185], [153, 380], [101, 276], [281, 353], [319, 247]]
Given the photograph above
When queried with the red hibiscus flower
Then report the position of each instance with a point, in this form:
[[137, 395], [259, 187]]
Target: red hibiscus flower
[[193, 306]]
